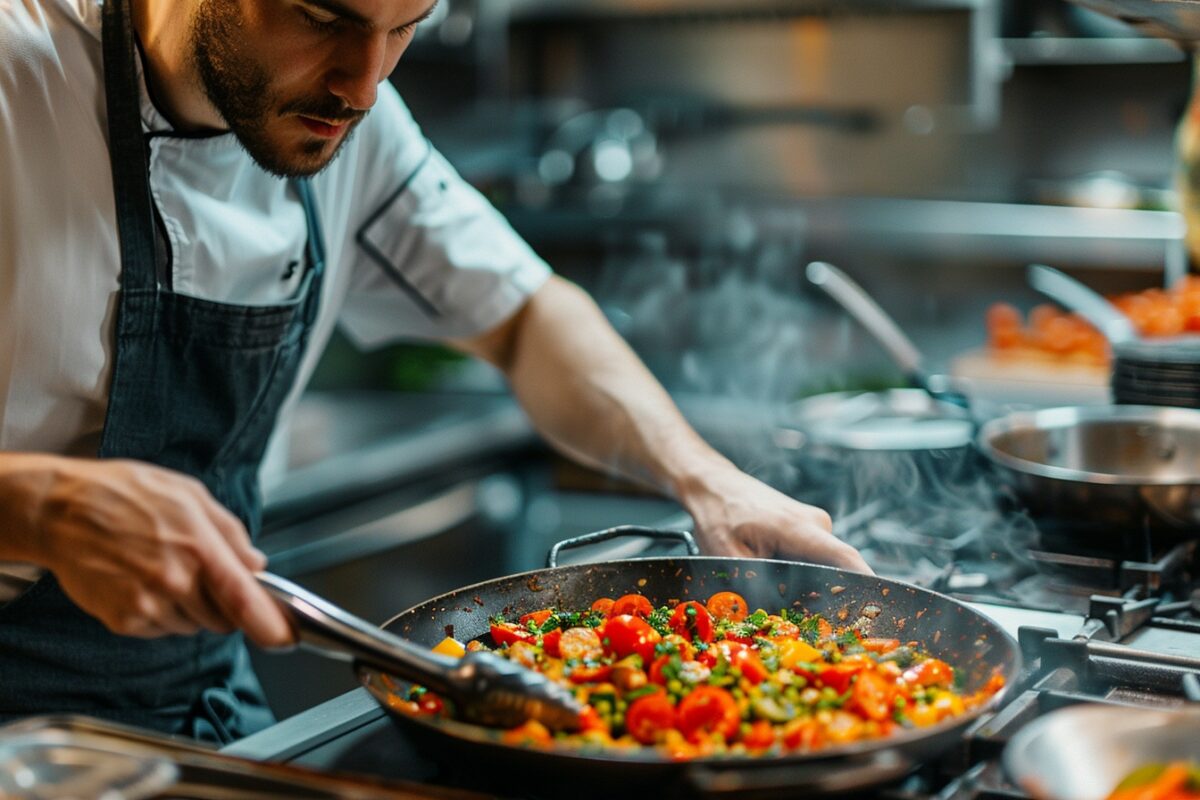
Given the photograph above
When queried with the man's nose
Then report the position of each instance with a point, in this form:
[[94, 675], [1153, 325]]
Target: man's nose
[[358, 67]]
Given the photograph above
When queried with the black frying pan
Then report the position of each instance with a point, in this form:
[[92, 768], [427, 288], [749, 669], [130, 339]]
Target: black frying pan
[[948, 630]]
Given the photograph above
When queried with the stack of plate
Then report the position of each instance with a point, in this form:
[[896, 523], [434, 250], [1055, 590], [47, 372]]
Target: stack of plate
[[1162, 372]]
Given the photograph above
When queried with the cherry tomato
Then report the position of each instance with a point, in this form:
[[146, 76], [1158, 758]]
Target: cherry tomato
[[551, 641], [751, 666], [838, 676], [649, 717], [803, 734], [655, 673], [873, 696], [604, 606], [707, 710], [508, 632], [782, 629], [628, 634], [586, 674], [430, 703], [633, 604], [590, 720], [994, 684], [760, 736], [691, 620], [538, 617], [930, 673], [728, 605]]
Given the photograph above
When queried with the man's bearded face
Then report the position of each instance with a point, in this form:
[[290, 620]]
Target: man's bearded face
[[289, 132]]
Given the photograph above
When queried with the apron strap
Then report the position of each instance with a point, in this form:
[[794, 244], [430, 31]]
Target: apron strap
[[127, 149], [316, 237]]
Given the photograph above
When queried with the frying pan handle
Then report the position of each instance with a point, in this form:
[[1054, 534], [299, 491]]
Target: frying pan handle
[[817, 778], [614, 533]]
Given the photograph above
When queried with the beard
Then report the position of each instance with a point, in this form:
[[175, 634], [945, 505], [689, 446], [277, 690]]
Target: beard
[[239, 88]]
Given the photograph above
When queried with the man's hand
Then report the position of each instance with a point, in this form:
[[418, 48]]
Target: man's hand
[[737, 515], [148, 551]]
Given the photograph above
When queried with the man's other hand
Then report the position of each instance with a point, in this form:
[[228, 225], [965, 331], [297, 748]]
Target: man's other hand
[[149, 552]]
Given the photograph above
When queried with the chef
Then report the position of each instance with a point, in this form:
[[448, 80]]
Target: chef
[[192, 194]]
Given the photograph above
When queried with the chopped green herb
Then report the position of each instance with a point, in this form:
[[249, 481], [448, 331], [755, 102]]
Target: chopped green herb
[[660, 619], [810, 629], [650, 688]]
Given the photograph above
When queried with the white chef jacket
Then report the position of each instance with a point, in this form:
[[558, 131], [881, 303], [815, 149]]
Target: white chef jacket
[[413, 252]]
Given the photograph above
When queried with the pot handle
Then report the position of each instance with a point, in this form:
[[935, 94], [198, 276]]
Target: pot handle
[[815, 779], [614, 533]]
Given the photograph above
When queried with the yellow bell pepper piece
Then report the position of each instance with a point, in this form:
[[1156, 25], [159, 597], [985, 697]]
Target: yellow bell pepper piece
[[450, 647], [795, 652]]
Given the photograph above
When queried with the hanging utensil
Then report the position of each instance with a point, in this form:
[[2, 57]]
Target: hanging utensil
[[486, 689], [1084, 301], [860, 305]]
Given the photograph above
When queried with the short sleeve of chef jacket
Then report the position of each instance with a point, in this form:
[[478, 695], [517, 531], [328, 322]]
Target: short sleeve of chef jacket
[[430, 257]]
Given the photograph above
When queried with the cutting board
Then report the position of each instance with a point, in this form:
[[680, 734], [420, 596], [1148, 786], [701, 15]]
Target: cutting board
[[1030, 378]]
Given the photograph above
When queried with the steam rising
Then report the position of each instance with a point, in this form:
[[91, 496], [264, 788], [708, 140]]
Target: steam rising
[[732, 330]]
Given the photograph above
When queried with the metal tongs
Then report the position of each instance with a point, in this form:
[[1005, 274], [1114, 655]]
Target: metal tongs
[[486, 689]]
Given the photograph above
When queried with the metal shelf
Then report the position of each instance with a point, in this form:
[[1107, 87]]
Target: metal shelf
[[1068, 51]]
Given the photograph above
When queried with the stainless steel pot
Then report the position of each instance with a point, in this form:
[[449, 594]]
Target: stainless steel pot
[[861, 447], [1116, 466]]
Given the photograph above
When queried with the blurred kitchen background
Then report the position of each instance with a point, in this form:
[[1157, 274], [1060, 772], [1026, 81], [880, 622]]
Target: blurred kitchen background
[[683, 160]]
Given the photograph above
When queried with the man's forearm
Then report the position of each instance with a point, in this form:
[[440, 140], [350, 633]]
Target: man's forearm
[[587, 392]]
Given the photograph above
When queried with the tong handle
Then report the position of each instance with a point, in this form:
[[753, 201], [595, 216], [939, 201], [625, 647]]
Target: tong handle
[[330, 630]]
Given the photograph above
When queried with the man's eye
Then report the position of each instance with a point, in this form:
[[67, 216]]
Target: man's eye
[[317, 22]]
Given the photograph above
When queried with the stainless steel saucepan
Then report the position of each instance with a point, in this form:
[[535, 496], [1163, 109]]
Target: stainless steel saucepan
[[1103, 465]]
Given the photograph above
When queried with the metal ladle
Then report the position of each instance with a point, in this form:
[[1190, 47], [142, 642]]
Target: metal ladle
[[486, 688], [860, 305]]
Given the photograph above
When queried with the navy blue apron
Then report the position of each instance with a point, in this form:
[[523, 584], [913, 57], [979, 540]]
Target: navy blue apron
[[196, 387]]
